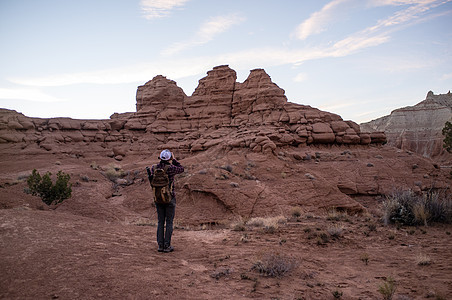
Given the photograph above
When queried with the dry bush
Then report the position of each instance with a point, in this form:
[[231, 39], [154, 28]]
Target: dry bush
[[238, 225], [274, 265], [113, 172], [421, 215], [439, 206], [221, 272], [407, 208], [322, 238], [295, 212], [269, 224], [423, 260], [335, 231], [365, 258]]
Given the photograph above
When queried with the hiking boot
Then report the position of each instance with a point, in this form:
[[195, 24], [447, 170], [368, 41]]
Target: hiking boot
[[160, 249], [168, 249]]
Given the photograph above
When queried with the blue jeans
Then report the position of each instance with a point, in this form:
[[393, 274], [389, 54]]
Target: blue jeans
[[165, 213]]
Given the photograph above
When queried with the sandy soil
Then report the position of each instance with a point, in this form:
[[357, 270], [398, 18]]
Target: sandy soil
[[55, 255], [100, 244]]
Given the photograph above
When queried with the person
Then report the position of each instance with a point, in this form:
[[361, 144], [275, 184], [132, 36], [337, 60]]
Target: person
[[166, 212]]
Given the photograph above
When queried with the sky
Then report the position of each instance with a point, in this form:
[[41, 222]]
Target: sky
[[360, 59]]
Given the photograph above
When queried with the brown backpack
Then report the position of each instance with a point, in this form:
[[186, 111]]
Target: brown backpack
[[161, 187]]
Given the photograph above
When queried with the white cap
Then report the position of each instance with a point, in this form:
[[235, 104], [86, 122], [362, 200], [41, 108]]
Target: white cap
[[165, 155]]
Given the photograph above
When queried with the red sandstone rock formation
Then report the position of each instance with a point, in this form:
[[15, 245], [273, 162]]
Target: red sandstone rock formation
[[254, 114], [248, 151]]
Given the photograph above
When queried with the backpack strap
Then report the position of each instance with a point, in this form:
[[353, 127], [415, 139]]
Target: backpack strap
[[166, 168]]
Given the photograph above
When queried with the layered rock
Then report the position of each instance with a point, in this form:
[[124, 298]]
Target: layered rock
[[247, 151], [254, 114], [417, 128]]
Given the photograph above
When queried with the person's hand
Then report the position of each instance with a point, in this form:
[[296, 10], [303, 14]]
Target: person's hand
[[172, 156]]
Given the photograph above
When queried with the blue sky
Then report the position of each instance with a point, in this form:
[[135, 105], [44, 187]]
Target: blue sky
[[358, 58]]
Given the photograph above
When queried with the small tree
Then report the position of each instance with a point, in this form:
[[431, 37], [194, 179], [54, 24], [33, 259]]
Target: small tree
[[50, 193], [447, 132]]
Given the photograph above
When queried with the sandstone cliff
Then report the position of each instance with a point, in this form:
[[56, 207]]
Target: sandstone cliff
[[254, 114], [246, 149], [417, 128]]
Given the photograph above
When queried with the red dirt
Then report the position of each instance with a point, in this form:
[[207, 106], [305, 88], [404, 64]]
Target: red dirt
[[49, 254]]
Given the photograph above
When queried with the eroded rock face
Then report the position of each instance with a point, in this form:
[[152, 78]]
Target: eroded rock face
[[247, 150], [254, 114], [417, 128]]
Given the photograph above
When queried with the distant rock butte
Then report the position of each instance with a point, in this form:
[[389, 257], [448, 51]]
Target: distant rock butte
[[254, 114], [417, 128]]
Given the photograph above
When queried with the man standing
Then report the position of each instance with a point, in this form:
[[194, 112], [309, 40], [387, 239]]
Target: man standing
[[166, 211]]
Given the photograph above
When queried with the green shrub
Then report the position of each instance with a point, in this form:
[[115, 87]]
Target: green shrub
[[388, 288], [337, 294], [50, 193], [447, 132]]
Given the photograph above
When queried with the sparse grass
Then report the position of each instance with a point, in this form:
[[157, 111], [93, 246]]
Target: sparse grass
[[269, 225], [141, 221], [423, 260], [274, 265], [387, 288], [335, 215]]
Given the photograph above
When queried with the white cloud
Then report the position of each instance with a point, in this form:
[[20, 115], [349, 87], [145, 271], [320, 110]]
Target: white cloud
[[398, 2], [27, 94], [159, 8], [319, 20], [357, 42], [413, 12], [446, 76], [300, 77], [334, 11], [174, 69], [246, 59], [207, 32]]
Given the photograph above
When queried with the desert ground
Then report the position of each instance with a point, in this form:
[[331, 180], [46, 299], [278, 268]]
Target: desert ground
[[106, 249]]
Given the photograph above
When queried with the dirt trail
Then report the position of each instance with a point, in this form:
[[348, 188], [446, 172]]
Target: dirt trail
[[54, 255]]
